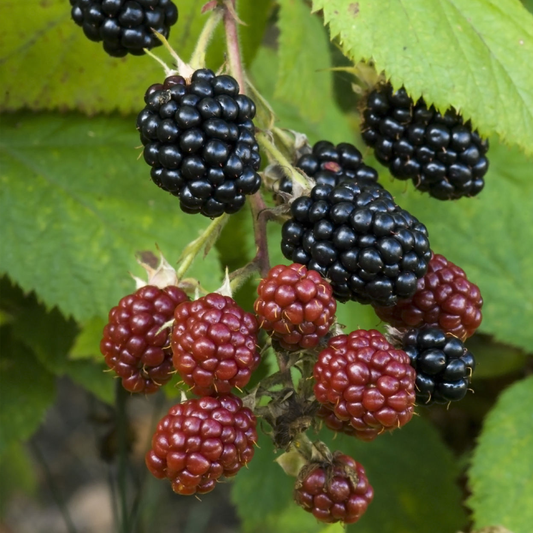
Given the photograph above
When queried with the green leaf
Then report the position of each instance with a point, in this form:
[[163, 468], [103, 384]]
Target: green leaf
[[76, 205], [334, 125], [466, 53], [304, 60], [87, 343], [93, 376], [501, 475], [412, 472], [486, 236], [495, 358], [27, 390], [18, 474], [255, 16]]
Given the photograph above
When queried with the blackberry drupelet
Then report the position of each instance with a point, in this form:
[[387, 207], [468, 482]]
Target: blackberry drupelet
[[354, 235], [199, 139], [328, 164], [443, 365], [444, 298], [439, 153], [124, 26]]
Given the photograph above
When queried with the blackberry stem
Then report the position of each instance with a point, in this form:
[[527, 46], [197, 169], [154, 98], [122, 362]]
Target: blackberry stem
[[268, 146], [198, 56], [232, 41], [204, 241], [259, 211]]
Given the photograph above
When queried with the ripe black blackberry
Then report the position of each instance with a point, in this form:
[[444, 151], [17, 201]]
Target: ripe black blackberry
[[124, 26], [354, 235], [443, 365], [199, 139], [328, 164], [439, 153]]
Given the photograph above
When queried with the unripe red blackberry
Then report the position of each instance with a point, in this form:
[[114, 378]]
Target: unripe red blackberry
[[132, 343], [198, 137], [214, 343], [334, 492], [439, 153], [366, 382], [443, 365], [201, 440], [335, 424], [328, 164], [296, 305], [124, 26], [444, 298]]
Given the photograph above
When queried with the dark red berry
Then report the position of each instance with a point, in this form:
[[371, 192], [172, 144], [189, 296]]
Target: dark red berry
[[296, 305], [366, 382], [334, 492], [132, 343], [201, 440], [444, 298], [214, 344]]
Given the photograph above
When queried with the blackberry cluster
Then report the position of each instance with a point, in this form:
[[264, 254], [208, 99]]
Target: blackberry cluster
[[199, 441], [366, 383], [439, 153], [444, 298], [199, 139], [370, 250], [443, 365], [328, 164], [214, 344], [124, 26], [334, 492], [296, 305], [132, 343]]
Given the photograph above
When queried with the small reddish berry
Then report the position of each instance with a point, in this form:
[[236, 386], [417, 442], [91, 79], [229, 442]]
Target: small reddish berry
[[201, 440], [336, 492], [132, 343], [214, 343], [366, 382], [444, 298], [296, 305]]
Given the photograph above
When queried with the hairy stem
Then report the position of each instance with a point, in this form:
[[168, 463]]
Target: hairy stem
[[122, 433], [198, 57], [258, 207], [232, 41], [269, 147]]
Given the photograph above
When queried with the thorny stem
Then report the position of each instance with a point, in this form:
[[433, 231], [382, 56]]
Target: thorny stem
[[258, 207], [232, 40], [198, 57], [268, 146]]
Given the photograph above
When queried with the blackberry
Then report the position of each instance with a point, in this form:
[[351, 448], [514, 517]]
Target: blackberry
[[366, 382], [328, 164], [443, 365], [124, 26], [214, 344], [444, 298], [199, 441], [199, 139], [334, 491], [133, 343], [369, 249], [296, 305], [439, 153]]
